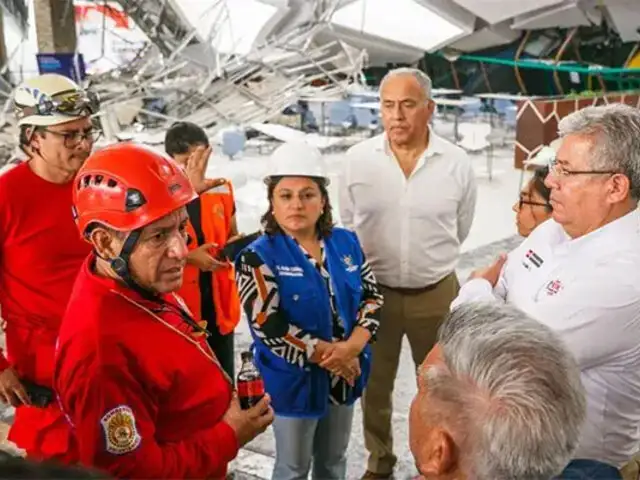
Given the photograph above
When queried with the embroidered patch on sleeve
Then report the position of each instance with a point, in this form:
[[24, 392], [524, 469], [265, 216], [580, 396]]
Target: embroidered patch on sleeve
[[120, 432]]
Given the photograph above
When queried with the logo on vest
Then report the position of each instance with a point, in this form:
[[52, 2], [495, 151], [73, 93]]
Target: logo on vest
[[348, 263], [286, 271], [218, 210], [554, 287]]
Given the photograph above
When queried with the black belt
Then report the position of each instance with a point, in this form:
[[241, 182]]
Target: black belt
[[414, 291]]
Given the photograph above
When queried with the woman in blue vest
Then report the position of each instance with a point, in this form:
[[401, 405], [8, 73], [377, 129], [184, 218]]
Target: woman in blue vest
[[313, 306]]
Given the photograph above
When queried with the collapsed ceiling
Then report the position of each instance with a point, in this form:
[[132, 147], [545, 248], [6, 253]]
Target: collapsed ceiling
[[403, 30], [183, 74], [398, 31], [212, 63]]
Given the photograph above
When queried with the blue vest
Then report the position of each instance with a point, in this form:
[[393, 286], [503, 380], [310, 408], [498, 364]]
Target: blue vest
[[303, 390]]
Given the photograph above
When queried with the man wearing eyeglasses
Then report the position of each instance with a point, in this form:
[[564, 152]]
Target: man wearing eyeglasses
[[579, 272], [40, 254]]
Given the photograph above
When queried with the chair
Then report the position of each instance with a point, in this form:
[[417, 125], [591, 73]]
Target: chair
[[472, 110], [341, 115], [496, 138], [473, 136], [501, 106], [233, 142], [364, 117], [510, 117]]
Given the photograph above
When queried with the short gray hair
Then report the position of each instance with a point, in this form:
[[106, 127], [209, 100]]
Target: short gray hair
[[422, 78], [616, 138], [509, 391]]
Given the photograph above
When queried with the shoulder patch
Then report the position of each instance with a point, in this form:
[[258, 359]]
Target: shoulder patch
[[120, 432]]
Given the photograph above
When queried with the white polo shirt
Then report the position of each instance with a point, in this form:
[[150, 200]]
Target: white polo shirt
[[411, 228], [587, 290]]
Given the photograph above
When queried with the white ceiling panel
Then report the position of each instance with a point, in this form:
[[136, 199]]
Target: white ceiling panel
[[401, 21], [487, 37], [593, 10], [238, 32], [452, 12], [496, 11], [380, 51], [625, 16], [563, 16]]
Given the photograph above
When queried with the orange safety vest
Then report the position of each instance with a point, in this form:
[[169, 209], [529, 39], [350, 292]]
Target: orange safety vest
[[217, 206]]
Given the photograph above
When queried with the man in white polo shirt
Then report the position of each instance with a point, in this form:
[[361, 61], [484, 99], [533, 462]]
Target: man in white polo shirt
[[410, 196], [579, 272]]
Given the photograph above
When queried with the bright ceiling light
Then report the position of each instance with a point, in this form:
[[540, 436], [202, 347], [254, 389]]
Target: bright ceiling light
[[402, 21]]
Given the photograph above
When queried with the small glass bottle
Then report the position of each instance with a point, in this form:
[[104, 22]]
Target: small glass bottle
[[249, 383]]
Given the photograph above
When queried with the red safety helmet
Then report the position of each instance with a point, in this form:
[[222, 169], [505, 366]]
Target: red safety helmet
[[127, 186]]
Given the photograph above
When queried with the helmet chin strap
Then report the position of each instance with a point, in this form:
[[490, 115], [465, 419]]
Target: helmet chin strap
[[120, 265]]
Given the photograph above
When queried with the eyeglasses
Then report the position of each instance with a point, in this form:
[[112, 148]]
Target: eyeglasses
[[522, 201], [559, 171], [73, 139]]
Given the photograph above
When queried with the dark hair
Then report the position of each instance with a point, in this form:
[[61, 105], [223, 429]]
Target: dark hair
[[12, 466], [537, 183], [27, 132], [182, 135], [24, 137], [325, 222]]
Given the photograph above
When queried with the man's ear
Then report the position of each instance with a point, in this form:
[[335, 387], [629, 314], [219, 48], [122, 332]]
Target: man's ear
[[440, 457], [620, 187], [105, 242]]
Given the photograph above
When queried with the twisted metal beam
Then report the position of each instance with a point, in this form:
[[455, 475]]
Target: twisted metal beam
[[18, 10]]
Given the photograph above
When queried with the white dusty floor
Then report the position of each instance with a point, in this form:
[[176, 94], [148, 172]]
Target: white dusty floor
[[492, 232]]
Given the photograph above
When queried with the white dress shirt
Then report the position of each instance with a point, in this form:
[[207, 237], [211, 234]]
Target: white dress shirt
[[411, 228], [588, 291]]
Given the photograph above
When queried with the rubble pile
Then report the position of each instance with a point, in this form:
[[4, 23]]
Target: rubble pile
[[179, 75]]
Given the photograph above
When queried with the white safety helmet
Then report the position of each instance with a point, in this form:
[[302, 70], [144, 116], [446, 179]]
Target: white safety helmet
[[296, 159], [52, 99]]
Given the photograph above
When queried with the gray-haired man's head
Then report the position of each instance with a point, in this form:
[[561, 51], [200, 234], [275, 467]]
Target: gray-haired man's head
[[406, 106], [499, 397], [596, 176]]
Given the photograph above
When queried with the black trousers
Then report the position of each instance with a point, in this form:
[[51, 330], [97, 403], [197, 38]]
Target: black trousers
[[222, 346]]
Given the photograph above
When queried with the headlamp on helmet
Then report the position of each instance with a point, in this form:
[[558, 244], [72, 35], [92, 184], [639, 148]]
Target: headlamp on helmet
[[71, 103]]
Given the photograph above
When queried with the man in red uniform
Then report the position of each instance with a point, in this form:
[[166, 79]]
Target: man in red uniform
[[140, 385], [40, 254]]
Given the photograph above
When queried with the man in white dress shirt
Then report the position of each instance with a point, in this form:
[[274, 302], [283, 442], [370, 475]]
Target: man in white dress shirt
[[410, 196], [579, 272]]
